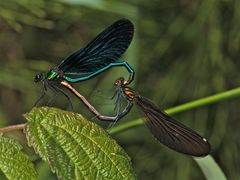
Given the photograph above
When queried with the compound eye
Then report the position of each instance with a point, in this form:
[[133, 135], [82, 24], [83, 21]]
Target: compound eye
[[38, 77], [116, 83]]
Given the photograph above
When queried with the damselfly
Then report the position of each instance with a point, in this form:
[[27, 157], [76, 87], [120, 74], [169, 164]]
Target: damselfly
[[163, 127], [102, 53]]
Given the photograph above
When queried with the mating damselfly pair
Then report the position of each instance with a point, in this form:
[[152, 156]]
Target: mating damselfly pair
[[102, 53]]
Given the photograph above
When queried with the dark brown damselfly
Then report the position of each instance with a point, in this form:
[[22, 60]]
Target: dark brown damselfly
[[163, 127]]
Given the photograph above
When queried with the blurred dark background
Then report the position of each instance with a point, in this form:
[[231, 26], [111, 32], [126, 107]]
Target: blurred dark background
[[182, 50]]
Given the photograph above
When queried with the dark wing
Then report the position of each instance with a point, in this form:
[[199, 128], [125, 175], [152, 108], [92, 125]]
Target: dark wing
[[106, 48], [172, 133]]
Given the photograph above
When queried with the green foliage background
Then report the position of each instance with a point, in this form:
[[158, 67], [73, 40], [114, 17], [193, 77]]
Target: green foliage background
[[182, 50]]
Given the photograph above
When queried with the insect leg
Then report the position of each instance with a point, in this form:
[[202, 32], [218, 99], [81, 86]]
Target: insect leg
[[117, 108], [52, 99], [43, 94], [65, 94], [125, 111]]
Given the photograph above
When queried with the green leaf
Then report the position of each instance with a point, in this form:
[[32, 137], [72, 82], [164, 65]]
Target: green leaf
[[14, 164], [210, 168], [74, 147]]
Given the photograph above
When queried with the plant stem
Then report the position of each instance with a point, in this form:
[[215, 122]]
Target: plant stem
[[12, 128], [227, 95]]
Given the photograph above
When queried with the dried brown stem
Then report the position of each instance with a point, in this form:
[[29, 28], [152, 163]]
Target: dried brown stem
[[12, 128]]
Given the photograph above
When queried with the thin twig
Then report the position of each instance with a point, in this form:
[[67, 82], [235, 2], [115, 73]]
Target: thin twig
[[12, 128]]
